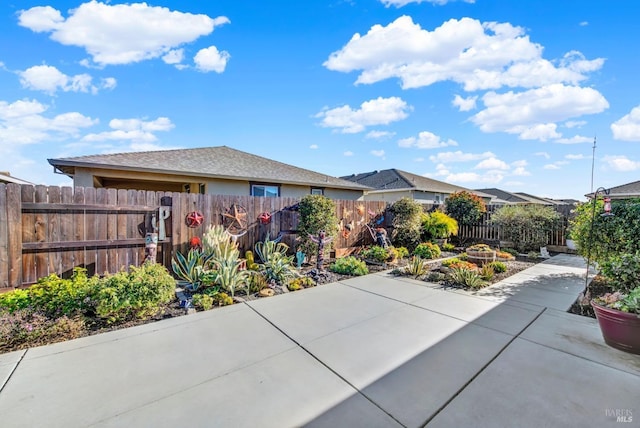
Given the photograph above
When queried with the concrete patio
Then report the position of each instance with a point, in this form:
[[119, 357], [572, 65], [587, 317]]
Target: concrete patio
[[366, 352]]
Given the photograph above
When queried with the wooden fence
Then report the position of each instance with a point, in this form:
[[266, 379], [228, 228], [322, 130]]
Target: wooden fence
[[48, 229]]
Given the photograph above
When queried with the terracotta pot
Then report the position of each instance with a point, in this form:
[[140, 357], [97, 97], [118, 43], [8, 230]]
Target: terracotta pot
[[620, 330]]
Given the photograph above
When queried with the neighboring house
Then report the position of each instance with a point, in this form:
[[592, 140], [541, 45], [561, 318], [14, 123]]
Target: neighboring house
[[393, 184], [502, 197], [5, 177], [624, 191], [212, 170]]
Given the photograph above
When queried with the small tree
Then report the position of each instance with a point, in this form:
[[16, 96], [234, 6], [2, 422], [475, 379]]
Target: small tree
[[317, 212], [527, 226], [466, 207], [407, 217]]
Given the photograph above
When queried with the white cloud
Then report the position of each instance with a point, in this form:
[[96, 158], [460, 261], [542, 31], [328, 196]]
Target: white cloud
[[379, 111], [313, 146], [210, 59], [400, 3], [519, 163], [464, 104], [520, 171], [459, 156], [174, 56], [532, 113], [378, 153], [379, 135], [584, 23], [120, 33], [477, 55], [492, 163], [348, 153], [425, 140], [575, 157], [576, 139], [135, 130], [543, 154], [23, 122], [492, 177], [49, 79], [575, 123], [621, 163], [627, 128], [551, 166]]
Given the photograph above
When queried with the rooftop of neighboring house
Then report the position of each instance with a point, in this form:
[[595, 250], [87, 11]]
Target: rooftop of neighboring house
[[628, 190], [395, 179], [214, 162], [5, 177]]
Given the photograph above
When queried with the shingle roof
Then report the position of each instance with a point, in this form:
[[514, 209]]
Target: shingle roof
[[215, 162], [508, 197], [390, 179], [628, 190]]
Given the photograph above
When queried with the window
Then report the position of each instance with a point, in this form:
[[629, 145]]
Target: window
[[270, 190], [317, 191], [437, 198], [202, 187]]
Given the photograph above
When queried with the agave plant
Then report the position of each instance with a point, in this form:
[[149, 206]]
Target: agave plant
[[279, 268], [466, 277], [416, 266], [267, 248], [229, 276], [189, 268]]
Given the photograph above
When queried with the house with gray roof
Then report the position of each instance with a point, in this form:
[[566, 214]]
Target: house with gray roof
[[217, 170], [393, 184], [502, 197], [624, 191], [5, 177]]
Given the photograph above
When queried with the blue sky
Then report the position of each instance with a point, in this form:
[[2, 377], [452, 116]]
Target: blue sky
[[491, 93]]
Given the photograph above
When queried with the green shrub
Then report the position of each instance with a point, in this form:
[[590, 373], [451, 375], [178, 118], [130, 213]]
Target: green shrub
[[448, 247], [406, 222], [449, 262], [375, 253], [466, 277], [610, 236], [14, 300], [54, 296], [138, 293], [511, 251], [189, 268], [427, 250], [203, 302], [317, 212], [279, 268], [403, 253], [622, 271], [257, 281], [498, 267], [434, 276], [349, 266], [416, 267], [527, 226], [438, 225]]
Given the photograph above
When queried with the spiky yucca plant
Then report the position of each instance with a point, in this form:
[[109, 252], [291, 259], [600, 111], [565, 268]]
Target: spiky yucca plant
[[417, 266]]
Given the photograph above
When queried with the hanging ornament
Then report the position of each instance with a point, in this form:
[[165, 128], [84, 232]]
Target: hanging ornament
[[264, 218], [194, 219]]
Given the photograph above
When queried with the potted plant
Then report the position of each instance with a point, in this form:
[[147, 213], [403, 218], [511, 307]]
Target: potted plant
[[618, 312], [480, 254], [618, 315], [438, 227]]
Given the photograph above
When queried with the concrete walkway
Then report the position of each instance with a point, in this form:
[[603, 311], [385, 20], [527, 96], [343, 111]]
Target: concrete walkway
[[374, 351]]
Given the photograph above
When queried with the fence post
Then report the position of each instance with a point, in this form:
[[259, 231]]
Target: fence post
[[14, 226]]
